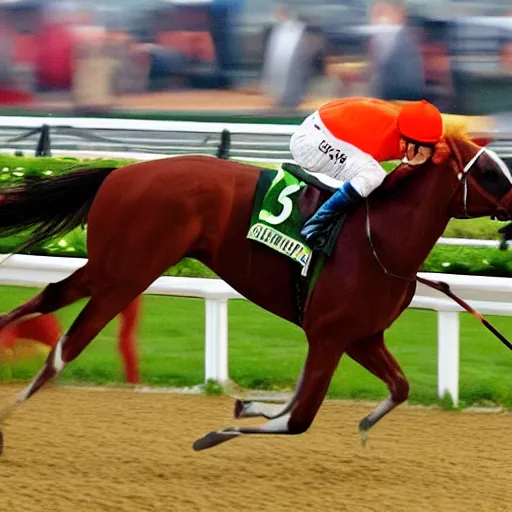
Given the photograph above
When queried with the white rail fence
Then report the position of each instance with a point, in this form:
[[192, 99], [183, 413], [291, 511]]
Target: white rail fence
[[92, 123], [262, 140], [170, 137], [490, 295]]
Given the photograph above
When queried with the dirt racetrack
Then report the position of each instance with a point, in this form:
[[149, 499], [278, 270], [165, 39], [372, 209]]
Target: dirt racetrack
[[117, 450]]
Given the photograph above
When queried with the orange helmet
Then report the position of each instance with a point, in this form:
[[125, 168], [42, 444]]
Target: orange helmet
[[420, 121]]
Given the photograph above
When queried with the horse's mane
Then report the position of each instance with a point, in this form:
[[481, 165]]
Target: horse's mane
[[454, 127]]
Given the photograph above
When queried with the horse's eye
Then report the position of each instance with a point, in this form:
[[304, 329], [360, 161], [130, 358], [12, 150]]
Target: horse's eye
[[491, 175]]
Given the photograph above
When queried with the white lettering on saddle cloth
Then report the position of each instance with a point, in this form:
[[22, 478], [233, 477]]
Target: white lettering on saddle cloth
[[275, 224], [280, 242]]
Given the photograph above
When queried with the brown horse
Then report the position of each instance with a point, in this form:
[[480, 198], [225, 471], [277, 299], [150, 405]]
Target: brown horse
[[145, 217]]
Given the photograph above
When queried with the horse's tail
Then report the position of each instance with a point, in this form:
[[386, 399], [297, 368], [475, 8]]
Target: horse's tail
[[49, 207]]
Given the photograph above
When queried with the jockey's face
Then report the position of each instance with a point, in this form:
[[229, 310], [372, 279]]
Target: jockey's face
[[414, 153]]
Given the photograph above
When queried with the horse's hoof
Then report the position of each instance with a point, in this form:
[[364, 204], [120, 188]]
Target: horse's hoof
[[365, 425], [213, 439], [364, 437], [239, 407]]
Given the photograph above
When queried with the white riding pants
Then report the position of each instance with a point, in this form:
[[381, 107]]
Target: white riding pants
[[315, 149]]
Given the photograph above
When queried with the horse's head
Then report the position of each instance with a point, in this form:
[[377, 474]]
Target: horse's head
[[485, 182]]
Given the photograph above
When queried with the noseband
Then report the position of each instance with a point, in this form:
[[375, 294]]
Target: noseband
[[502, 207]]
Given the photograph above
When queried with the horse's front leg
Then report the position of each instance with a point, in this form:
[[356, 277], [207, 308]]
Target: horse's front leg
[[373, 355], [321, 362], [267, 407]]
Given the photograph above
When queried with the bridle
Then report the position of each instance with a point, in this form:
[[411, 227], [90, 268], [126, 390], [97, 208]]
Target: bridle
[[502, 208], [463, 178]]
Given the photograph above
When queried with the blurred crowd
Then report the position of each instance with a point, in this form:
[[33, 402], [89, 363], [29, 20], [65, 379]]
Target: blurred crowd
[[456, 54]]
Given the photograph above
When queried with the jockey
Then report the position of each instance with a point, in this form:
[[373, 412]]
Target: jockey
[[346, 140]]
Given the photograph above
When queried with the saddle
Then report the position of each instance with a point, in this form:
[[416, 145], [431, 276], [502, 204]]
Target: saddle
[[316, 192]]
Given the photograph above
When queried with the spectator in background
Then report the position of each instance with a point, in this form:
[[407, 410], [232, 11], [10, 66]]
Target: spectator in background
[[396, 60], [6, 48], [55, 46], [291, 59], [439, 82], [506, 45], [223, 28], [11, 88]]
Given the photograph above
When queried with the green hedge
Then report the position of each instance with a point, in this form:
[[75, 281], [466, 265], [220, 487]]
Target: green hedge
[[443, 259]]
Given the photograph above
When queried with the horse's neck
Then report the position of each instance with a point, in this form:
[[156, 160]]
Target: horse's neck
[[407, 221]]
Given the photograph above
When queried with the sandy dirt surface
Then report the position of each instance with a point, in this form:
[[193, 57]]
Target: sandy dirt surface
[[97, 450]]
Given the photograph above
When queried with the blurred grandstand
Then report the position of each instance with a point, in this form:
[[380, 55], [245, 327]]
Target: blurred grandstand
[[93, 51]]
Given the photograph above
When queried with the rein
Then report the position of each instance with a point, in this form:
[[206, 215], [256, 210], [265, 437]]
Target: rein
[[374, 251], [445, 288], [440, 285]]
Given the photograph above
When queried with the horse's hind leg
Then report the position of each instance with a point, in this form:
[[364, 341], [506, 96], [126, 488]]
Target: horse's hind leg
[[53, 297], [321, 363], [96, 314], [373, 355]]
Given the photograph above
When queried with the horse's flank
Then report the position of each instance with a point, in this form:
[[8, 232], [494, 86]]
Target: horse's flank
[[218, 196]]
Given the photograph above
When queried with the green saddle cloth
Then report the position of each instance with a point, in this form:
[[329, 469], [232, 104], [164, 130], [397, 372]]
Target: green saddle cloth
[[278, 213]]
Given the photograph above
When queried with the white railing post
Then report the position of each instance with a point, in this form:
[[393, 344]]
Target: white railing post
[[448, 354], [216, 340]]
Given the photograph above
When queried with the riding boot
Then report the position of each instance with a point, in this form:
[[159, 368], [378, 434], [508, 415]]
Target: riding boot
[[344, 197]]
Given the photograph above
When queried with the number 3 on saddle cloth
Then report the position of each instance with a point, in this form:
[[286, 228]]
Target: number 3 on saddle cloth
[[284, 199]]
